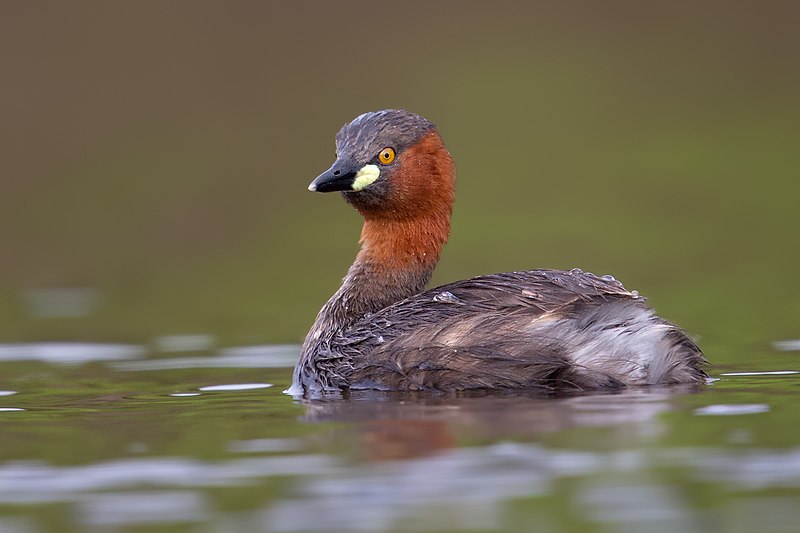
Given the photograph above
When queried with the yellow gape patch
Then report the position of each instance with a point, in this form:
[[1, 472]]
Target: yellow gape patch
[[366, 177]]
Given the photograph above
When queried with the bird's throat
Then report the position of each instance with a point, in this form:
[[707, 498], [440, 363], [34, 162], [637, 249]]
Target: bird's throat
[[396, 261]]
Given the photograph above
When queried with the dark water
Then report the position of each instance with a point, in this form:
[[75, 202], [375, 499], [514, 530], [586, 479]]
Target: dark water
[[120, 440]]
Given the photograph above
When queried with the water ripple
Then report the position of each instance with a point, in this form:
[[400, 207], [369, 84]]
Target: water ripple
[[736, 409], [762, 373], [236, 387], [69, 353], [267, 356], [36, 482], [792, 345], [462, 488]]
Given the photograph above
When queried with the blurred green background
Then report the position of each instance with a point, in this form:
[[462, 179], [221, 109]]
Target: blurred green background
[[158, 153]]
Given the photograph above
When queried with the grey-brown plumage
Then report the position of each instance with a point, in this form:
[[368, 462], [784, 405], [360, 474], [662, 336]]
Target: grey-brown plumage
[[543, 329]]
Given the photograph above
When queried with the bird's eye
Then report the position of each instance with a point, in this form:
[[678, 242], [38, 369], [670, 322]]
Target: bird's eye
[[386, 156]]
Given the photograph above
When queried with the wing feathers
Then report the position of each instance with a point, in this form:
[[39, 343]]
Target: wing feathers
[[537, 329]]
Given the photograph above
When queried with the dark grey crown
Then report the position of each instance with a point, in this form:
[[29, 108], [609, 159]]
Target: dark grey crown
[[367, 134]]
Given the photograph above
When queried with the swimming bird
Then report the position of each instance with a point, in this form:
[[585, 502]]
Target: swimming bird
[[547, 329]]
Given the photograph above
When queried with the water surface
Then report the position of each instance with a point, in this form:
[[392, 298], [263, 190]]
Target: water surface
[[123, 440]]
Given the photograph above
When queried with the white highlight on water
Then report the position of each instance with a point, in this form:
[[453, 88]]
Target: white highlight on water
[[69, 353], [236, 386], [735, 409], [791, 345], [260, 356], [764, 373]]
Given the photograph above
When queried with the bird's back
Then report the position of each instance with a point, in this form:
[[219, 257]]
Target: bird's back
[[540, 328]]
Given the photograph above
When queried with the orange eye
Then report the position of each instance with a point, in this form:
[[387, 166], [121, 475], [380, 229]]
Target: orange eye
[[386, 156]]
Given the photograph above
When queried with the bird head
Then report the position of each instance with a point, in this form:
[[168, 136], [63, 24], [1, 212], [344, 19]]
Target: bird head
[[390, 163]]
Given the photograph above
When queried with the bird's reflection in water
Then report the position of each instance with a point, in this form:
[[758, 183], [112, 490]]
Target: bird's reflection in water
[[401, 426]]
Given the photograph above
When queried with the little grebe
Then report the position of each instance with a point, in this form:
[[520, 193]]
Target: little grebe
[[541, 328]]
